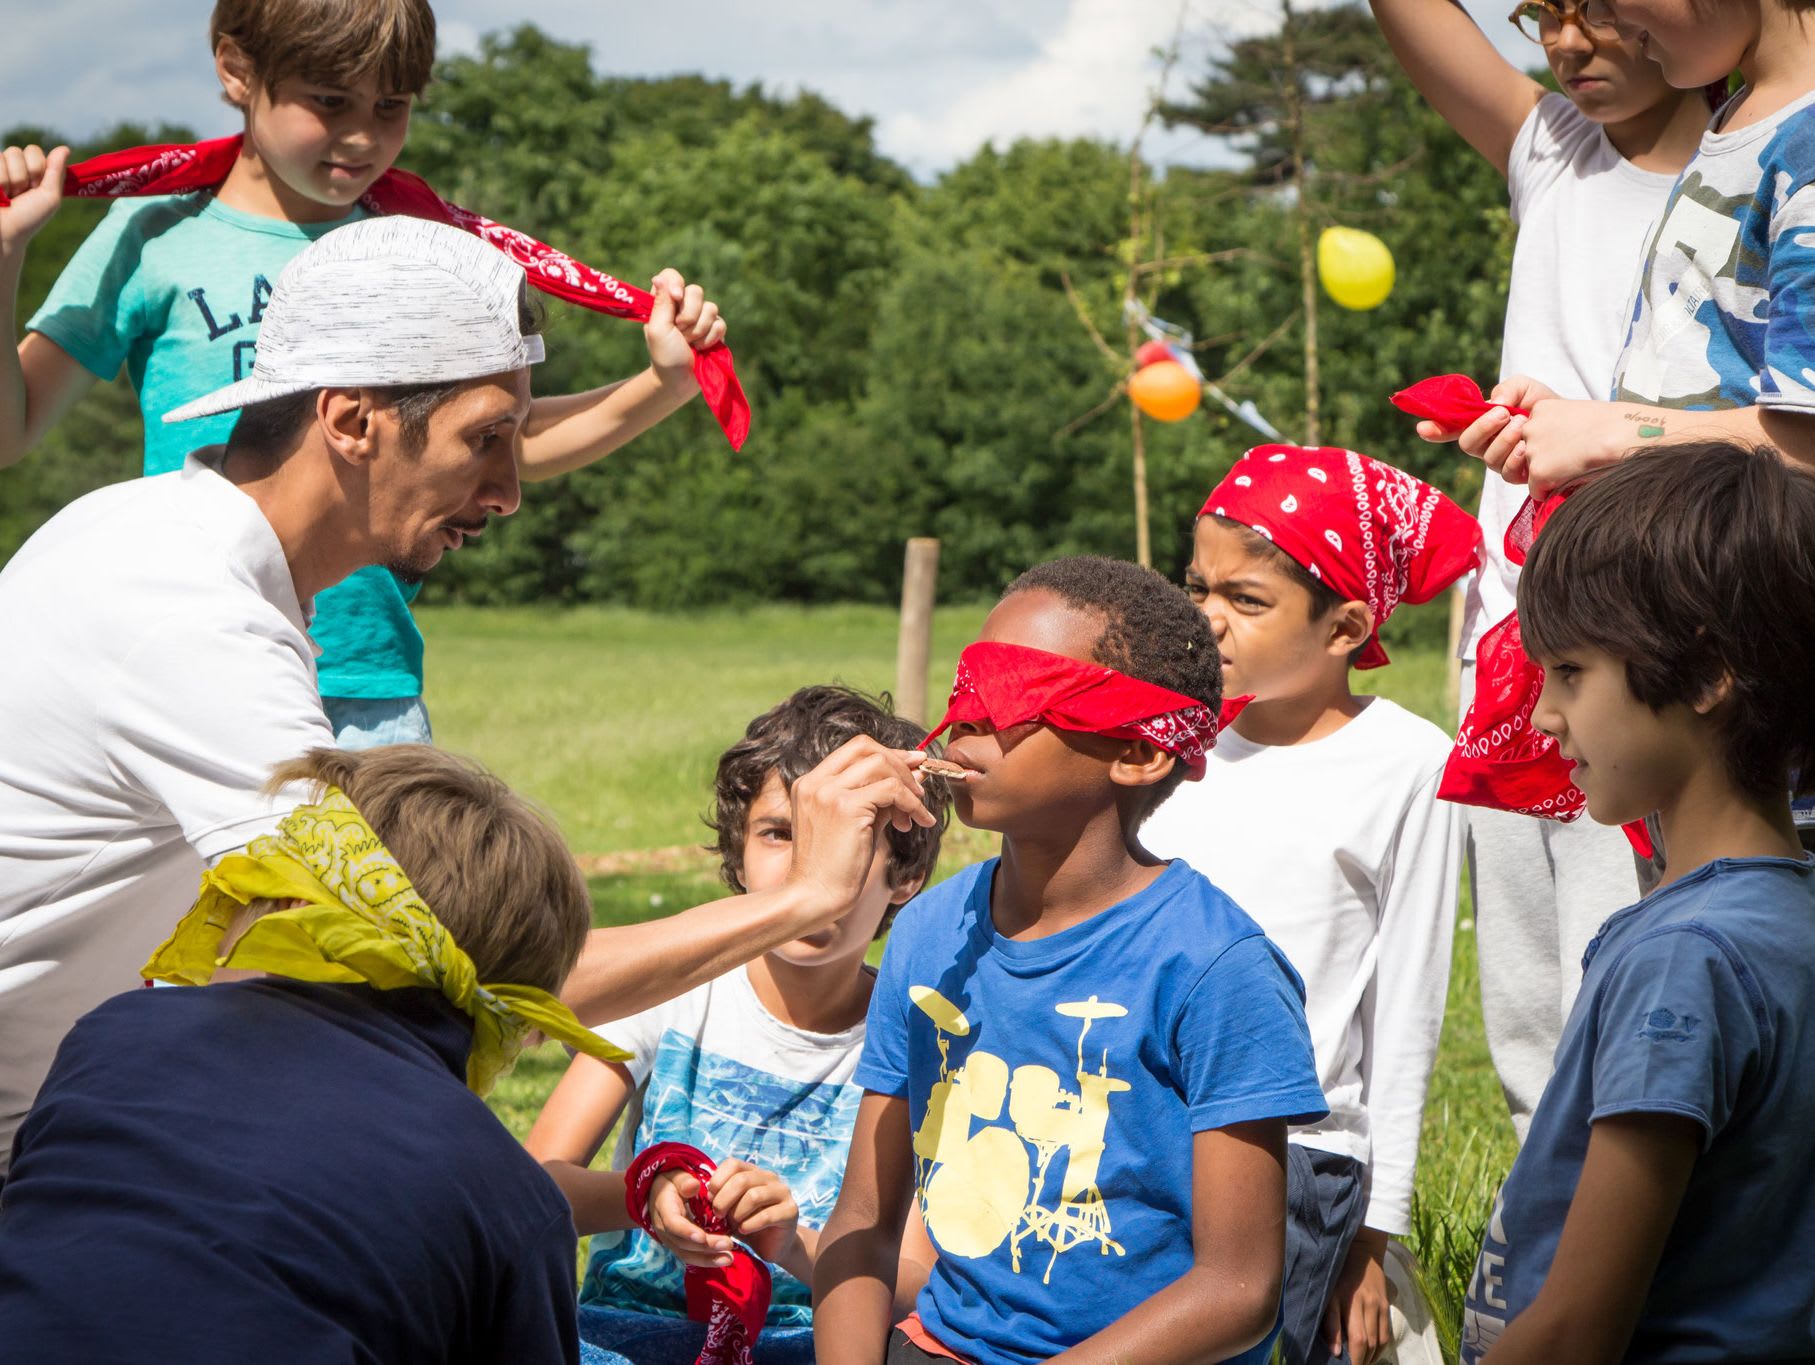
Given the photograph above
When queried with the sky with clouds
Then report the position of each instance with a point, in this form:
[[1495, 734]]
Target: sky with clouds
[[940, 77]]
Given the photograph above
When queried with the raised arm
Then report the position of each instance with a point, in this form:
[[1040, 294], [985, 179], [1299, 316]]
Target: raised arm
[[841, 810], [568, 432], [40, 381], [1479, 93]]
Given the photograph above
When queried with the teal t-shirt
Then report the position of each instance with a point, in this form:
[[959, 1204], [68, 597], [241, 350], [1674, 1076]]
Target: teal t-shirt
[[174, 288]]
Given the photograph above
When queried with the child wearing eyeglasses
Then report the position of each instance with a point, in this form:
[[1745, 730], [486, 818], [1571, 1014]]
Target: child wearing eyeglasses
[[1589, 171]]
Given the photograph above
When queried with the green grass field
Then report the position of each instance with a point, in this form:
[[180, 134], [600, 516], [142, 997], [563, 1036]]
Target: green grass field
[[613, 719]]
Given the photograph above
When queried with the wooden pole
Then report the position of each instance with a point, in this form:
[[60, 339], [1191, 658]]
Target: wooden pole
[[913, 652]]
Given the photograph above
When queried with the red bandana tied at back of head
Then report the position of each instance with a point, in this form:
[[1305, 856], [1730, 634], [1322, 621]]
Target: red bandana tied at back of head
[[1367, 531], [1501, 759], [731, 1300], [1012, 685], [175, 168]]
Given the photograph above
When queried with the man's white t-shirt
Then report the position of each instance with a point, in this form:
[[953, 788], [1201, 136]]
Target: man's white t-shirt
[[156, 668], [1584, 214], [1341, 851]]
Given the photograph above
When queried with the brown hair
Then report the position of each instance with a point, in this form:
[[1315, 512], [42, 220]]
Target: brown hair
[[331, 42], [793, 738], [489, 865], [1695, 564]]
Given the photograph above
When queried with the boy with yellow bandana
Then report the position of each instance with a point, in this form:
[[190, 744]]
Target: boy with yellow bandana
[[298, 1160]]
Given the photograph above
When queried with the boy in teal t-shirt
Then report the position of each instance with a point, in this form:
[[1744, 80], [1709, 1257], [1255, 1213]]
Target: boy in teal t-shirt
[[174, 289]]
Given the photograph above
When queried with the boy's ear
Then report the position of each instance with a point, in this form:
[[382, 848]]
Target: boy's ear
[[345, 417], [1350, 626], [234, 68], [1717, 695], [901, 895], [1141, 764]]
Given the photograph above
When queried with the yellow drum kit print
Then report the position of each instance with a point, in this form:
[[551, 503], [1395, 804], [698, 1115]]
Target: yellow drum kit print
[[979, 1189]]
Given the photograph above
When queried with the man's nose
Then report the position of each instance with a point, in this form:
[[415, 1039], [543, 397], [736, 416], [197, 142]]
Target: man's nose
[[502, 492]]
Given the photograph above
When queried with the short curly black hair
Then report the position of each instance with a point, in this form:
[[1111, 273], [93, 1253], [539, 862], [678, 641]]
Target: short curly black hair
[[1152, 631], [793, 738]]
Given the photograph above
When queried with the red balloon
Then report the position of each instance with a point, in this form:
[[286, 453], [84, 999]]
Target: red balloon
[[1151, 353]]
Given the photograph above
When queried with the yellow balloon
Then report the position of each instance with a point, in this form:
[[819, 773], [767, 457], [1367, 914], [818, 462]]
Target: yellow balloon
[[1165, 391], [1355, 267]]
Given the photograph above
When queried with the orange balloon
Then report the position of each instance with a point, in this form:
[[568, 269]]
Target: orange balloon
[[1165, 391]]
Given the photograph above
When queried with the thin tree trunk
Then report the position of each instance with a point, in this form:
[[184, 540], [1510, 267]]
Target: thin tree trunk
[[1143, 547], [1307, 258]]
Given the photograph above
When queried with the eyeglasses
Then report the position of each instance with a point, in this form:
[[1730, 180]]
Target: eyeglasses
[[1543, 22]]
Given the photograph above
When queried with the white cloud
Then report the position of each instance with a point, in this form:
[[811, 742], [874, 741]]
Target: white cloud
[[940, 77]]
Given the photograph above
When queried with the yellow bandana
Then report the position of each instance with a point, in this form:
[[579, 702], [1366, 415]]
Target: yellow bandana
[[363, 922]]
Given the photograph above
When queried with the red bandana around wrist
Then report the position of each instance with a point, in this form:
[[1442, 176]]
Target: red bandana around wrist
[[1452, 401], [1012, 684], [731, 1300], [1370, 532], [174, 168], [1501, 760]]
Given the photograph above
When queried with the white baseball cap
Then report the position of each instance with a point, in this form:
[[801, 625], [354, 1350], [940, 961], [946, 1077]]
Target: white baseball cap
[[379, 302]]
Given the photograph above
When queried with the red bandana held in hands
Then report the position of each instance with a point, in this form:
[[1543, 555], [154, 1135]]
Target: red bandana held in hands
[[1369, 532], [1450, 400], [731, 1300], [1012, 684], [174, 168], [1501, 759]]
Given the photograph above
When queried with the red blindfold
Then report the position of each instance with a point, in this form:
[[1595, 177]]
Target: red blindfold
[[1008, 685]]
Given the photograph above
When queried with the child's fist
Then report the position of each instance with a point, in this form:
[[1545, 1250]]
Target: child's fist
[[34, 183], [672, 1225], [757, 1205], [682, 321]]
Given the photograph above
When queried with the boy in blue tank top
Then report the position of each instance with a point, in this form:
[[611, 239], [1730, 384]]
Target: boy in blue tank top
[[174, 287], [1661, 1209], [1080, 1059]]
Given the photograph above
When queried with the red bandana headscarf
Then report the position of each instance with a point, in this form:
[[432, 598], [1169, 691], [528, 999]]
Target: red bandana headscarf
[[732, 1300], [1501, 759], [1012, 684], [1368, 531], [174, 168]]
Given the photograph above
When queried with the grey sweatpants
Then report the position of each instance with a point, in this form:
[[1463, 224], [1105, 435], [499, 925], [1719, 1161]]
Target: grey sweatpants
[[1542, 889]]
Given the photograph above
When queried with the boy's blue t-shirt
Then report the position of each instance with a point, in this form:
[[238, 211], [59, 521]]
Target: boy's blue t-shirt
[[1054, 1086], [1698, 1001], [275, 1170], [174, 288], [1725, 314]]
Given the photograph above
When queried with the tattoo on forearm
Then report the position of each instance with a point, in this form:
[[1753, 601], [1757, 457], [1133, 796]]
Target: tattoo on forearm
[[1650, 424]]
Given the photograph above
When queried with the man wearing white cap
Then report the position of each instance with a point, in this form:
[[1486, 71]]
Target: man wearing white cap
[[158, 665]]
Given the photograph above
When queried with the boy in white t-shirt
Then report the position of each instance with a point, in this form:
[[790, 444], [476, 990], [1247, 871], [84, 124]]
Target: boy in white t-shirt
[[1319, 816], [753, 1068], [1588, 176]]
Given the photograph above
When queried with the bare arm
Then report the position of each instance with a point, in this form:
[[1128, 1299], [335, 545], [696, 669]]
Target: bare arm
[[1625, 1203], [854, 1289], [841, 810], [571, 431], [1476, 90], [568, 1133], [1229, 1300], [40, 382]]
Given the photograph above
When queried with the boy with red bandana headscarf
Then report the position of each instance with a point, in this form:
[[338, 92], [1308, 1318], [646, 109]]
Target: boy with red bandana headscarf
[[1319, 815]]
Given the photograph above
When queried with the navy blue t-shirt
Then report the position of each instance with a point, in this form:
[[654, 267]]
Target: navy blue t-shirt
[[275, 1171], [1054, 1085], [1699, 1001]]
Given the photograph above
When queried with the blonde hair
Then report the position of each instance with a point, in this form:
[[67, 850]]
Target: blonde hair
[[491, 867], [331, 42]]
